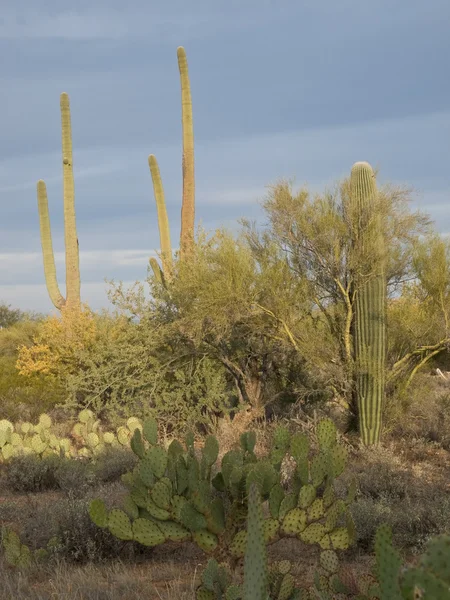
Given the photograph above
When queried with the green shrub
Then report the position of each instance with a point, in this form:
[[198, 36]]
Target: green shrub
[[25, 398]]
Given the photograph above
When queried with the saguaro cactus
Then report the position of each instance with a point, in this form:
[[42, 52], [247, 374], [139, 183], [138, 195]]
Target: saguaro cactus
[[70, 232], [369, 327], [188, 203]]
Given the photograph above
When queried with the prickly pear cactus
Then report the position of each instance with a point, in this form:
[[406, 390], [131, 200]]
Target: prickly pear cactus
[[88, 439], [185, 497]]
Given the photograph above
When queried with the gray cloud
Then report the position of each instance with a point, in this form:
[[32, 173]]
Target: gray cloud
[[280, 89]]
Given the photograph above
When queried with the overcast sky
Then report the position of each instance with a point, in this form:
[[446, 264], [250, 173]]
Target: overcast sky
[[281, 88]]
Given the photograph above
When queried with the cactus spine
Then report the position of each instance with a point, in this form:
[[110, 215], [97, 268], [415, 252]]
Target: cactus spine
[[188, 203], [369, 326], [70, 232]]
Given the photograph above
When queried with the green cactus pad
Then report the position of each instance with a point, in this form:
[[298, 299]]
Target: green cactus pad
[[313, 533], [329, 496], [119, 524], [79, 430], [85, 415], [329, 561], [326, 433], [340, 539], [146, 474], [316, 510], [294, 522], [191, 518], [37, 444], [64, 444], [123, 435], [5, 437], [339, 456], [276, 497], [108, 437], [319, 468], [286, 588], [45, 421], [161, 494], [134, 423], [147, 533], [16, 440], [175, 449], [299, 447], [248, 441], [137, 443], [333, 514], [210, 450], [157, 512], [306, 496], [264, 476], [231, 460], [203, 594], [92, 440], [150, 431], [270, 530], [325, 542], [388, 564], [157, 458], [130, 507], [215, 517], [239, 544], [98, 513], [288, 503], [26, 427], [182, 475], [5, 425], [436, 559], [205, 540], [174, 532], [234, 592]]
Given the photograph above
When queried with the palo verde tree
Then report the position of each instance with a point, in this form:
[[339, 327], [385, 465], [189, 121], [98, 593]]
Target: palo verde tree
[[220, 303]]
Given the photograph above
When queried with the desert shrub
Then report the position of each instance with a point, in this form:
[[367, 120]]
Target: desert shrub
[[31, 473], [65, 522], [413, 523], [113, 463], [421, 411], [74, 476]]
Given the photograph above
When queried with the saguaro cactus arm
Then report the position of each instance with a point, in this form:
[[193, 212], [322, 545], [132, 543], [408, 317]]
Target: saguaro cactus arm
[[47, 247], [70, 232], [163, 220], [188, 205]]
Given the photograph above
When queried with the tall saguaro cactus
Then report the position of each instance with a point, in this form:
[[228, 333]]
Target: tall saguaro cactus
[[72, 298], [369, 327], [188, 202]]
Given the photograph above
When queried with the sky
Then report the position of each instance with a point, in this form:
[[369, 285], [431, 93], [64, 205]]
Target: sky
[[297, 89]]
